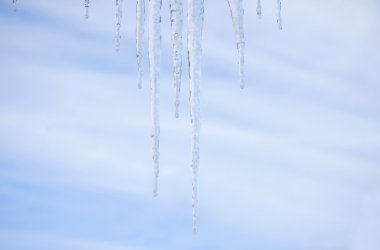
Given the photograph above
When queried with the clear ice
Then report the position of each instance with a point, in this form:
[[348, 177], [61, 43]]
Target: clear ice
[[154, 45], [140, 22], [119, 16], [176, 21], [195, 18], [237, 14]]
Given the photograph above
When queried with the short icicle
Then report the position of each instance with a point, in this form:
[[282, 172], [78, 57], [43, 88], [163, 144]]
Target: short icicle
[[14, 6], [237, 14], [119, 16], [176, 10], [86, 6], [154, 45], [195, 20], [279, 16], [140, 22], [258, 9]]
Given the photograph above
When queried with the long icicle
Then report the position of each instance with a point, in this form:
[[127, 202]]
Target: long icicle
[[176, 10], [86, 6], [154, 64], [279, 16], [14, 6], [194, 42], [258, 9], [140, 22], [119, 16], [237, 14]]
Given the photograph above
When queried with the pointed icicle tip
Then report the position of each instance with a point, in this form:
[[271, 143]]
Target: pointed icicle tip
[[14, 6], [258, 9], [155, 192], [279, 15], [86, 6], [176, 109]]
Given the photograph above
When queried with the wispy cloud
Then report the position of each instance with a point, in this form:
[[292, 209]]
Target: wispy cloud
[[14, 239]]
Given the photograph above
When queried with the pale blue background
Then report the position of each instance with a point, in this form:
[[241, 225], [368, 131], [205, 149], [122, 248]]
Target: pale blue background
[[290, 163]]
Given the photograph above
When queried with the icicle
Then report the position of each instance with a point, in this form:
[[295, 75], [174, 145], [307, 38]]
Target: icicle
[[86, 5], [237, 14], [154, 64], [140, 20], [279, 17], [194, 42], [258, 9], [119, 15], [176, 29], [14, 5]]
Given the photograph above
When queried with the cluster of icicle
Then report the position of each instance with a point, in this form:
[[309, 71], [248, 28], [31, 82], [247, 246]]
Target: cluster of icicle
[[195, 17]]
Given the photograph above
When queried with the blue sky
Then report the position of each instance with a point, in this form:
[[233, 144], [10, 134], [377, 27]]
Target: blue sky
[[290, 163]]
